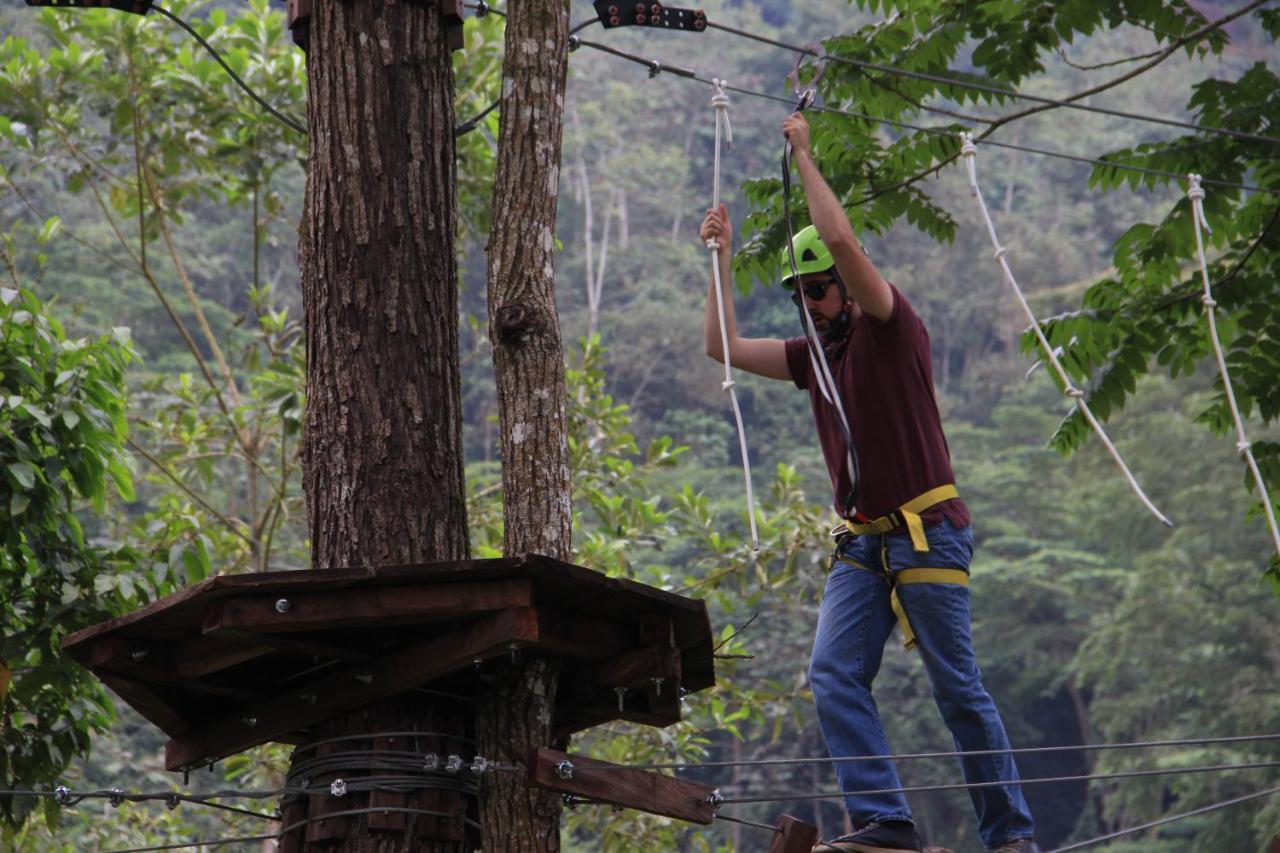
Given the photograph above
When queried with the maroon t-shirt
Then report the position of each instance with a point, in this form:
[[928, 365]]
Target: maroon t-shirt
[[884, 374]]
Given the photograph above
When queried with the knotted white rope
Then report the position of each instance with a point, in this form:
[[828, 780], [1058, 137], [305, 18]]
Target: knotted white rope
[[720, 102], [968, 151], [1196, 193]]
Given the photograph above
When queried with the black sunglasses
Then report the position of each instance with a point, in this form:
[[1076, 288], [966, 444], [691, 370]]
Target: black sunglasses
[[815, 290]]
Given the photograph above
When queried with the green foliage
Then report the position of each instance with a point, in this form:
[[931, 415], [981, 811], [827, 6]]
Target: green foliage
[[62, 433]]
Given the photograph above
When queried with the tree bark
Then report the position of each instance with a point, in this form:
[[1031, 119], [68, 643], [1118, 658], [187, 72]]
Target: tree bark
[[383, 439], [515, 714]]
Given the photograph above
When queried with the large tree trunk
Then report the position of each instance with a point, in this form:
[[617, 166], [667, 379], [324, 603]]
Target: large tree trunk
[[383, 442], [515, 715]]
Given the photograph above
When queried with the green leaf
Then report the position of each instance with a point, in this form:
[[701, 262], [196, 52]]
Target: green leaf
[[24, 473]]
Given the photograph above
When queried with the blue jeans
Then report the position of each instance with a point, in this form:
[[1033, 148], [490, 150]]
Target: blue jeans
[[854, 623]]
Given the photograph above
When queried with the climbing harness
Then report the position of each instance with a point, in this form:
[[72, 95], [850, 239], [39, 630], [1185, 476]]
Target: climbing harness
[[817, 355], [907, 515], [720, 102], [1196, 194], [968, 151]]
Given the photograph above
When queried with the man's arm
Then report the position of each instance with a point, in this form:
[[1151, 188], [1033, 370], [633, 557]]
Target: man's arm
[[864, 282], [762, 356]]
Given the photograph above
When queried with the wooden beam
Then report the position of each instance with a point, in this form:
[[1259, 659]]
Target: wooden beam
[[793, 836], [146, 702], [638, 668], [582, 637], [354, 687], [200, 656], [266, 613], [642, 790], [148, 664]]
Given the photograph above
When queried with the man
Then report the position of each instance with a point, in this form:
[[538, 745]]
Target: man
[[904, 558]]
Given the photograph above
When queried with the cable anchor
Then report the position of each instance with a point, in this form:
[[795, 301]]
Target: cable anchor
[[338, 788]]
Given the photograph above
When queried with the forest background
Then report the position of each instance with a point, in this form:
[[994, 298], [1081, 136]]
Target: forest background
[[149, 216]]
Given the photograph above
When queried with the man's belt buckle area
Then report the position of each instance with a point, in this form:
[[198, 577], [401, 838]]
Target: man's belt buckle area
[[907, 515]]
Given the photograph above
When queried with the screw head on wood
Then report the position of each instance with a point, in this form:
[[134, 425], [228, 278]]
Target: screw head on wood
[[250, 721], [139, 655], [338, 788], [282, 605], [564, 769]]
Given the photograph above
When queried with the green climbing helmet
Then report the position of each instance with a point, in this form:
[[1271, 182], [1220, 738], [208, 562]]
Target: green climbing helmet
[[811, 255]]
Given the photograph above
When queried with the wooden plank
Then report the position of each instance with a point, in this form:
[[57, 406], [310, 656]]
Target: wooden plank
[[637, 668], [357, 608], [200, 656], [147, 664], [581, 636], [793, 836], [390, 820], [623, 786], [146, 702], [354, 687]]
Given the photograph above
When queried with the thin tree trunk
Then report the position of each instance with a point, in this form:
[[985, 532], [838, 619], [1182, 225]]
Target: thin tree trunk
[[515, 714], [383, 440]]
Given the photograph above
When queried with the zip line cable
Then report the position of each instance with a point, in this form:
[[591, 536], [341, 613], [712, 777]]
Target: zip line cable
[[1196, 194], [948, 130], [227, 68], [720, 102], [1013, 93], [913, 756], [968, 153], [963, 786], [1170, 819]]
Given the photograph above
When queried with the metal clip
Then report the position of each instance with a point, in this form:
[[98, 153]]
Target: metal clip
[[430, 762], [117, 798], [338, 788], [172, 801], [454, 764], [63, 795], [622, 693], [479, 764], [715, 799]]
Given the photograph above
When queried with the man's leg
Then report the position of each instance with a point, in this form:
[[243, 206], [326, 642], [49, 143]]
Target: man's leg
[[853, 625], [939, 615]]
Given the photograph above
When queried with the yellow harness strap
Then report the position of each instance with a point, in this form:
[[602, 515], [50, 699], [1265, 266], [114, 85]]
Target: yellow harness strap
[[908, 514], [958, 577]]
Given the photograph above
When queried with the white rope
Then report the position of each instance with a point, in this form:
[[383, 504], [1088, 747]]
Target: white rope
[[967, 151], [1196, 193], [720, 101]]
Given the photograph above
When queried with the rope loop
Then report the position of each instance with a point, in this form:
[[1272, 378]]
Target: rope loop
[[967, 148], [727, 385], [1209, 301], [1000, 252], [1195, 192], [575, 42], [720, 101], [1073, 392], [1243, 446], [713, 244], [655, 68]]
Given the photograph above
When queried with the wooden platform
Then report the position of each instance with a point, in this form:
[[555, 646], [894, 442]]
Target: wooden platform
[[240, 660]]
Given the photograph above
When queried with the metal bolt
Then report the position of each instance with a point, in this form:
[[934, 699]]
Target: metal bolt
[[613, 10], [655, 10], [117, 797], [476, 662], [479, 764], [250, 721], [564, 769], [364, 678], [63, 795], [614, 21], [684, 691], [715, 799], [514, 648], [139, 655], [338, 788], [640, 19], [172, 801], [282, 605], [622, 693], [454, 764], [430, 762], [657, 685], [309, 698]]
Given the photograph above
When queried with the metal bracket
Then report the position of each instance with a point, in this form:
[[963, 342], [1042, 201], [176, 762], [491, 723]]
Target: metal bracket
[[635, 13]]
